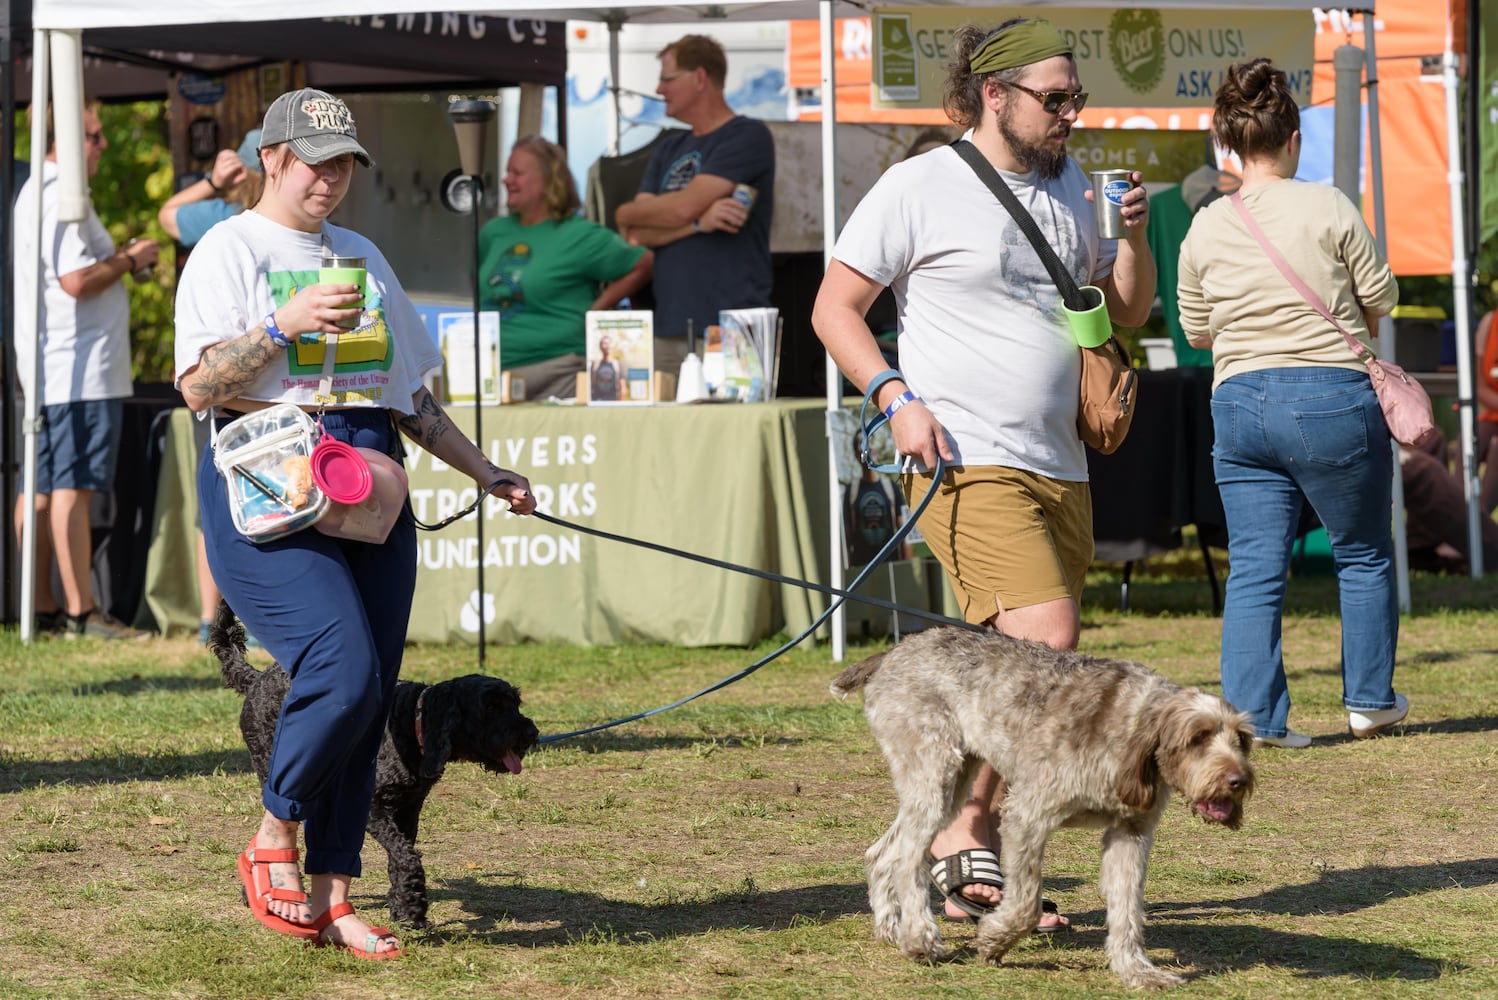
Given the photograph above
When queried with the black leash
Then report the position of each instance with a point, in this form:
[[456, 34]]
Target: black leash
[[869, 428]]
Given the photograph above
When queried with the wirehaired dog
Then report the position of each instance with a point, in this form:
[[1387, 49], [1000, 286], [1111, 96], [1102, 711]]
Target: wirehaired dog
[[473, 718], [1079, 741]]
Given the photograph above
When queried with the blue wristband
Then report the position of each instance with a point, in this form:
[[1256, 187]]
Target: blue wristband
[[274, 332], [905, 397]]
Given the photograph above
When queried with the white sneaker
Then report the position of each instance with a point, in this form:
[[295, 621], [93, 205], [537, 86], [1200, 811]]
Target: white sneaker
[[1366, 725], [1290, 741]]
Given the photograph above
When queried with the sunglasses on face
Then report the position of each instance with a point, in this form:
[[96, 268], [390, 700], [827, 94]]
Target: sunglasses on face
[[1055, 102]]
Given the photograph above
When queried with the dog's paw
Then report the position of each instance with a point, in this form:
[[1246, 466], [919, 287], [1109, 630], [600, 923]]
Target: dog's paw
[[1148, 977], [923, 944]]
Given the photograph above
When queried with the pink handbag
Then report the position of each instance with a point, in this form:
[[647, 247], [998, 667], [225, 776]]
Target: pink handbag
[[1406, 405]]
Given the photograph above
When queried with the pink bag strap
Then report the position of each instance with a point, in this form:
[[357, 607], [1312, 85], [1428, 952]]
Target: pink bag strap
[[1358, 348]]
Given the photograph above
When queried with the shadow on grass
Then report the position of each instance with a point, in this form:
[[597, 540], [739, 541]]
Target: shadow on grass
[[129, 687], [17, 776], [1195, 932], [560, 917], [1352, 889]]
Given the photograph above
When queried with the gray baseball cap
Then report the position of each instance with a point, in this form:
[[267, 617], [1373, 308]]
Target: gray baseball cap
[[317, 125]]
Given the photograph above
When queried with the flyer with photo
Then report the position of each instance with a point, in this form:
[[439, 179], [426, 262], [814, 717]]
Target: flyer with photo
[[621, 352]]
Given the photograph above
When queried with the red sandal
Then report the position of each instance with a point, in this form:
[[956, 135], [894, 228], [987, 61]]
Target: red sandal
[[257, 896], [371, 940]]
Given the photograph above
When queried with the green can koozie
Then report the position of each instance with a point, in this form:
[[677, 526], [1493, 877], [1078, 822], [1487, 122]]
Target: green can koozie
[[1091, 328], [346, 271]]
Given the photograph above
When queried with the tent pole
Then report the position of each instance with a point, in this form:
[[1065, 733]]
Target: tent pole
[[1461, 287], [41, 44], [616, 116], [1386, 324], [835, 547], [7, 309]]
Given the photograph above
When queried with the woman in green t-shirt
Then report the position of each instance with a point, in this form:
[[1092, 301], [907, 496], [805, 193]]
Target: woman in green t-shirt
[[543, 266]]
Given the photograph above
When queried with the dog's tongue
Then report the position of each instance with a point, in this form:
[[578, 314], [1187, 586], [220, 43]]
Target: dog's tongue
[[512, 762], [1215, 809]]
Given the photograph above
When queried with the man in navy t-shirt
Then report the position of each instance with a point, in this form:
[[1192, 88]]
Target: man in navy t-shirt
[[712, 250]]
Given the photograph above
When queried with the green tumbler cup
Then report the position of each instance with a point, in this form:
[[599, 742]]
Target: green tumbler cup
[[346, 271], [1091, 327]]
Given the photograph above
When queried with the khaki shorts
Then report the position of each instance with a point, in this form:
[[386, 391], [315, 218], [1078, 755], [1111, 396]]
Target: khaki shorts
[[1007, 538]]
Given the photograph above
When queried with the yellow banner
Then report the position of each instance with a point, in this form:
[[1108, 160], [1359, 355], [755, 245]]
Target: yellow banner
[[1139, 57]]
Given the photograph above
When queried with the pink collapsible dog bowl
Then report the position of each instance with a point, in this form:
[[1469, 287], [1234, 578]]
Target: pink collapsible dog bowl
[[340, 471]]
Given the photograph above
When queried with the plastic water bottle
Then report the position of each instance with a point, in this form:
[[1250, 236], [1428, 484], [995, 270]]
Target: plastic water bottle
[[690, 384]]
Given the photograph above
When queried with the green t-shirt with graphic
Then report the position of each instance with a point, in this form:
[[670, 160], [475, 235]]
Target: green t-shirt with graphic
[[542, 279]]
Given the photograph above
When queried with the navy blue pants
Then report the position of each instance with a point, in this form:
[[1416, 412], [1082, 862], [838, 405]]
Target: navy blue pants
[[334, 614]]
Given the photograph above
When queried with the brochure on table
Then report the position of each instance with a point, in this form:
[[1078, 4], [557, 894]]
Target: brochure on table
[[621, 357], [455, 335], [742, 356]]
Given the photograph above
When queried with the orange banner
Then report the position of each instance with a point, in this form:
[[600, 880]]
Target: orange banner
[[1412, 110]]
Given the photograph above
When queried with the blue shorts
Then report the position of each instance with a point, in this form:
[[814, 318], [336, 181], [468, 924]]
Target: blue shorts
[[78, 445]]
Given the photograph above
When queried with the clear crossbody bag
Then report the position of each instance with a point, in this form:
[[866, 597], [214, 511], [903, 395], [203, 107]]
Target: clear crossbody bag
[[266, 460]]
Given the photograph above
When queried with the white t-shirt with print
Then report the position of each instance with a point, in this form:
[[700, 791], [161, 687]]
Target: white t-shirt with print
[[248, 266], [983, 341], [85, 342]]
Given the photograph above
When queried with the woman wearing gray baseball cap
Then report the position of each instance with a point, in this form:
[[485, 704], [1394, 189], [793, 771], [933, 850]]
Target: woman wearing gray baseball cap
[[256, 328]]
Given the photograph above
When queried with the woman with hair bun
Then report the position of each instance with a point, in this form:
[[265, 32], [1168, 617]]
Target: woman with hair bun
[[543, 266], [1295, 417]]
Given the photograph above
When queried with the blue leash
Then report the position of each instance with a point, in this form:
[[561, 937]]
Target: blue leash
[[869, 428]]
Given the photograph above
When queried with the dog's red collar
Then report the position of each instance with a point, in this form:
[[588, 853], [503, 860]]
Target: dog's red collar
[[420, 743]]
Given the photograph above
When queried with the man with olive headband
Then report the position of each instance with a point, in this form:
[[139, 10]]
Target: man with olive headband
[[989, 368]]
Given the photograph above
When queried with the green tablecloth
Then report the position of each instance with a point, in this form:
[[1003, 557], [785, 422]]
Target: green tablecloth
[[746, 484]]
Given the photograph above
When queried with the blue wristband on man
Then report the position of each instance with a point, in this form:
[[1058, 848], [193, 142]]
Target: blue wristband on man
[[905, 397]]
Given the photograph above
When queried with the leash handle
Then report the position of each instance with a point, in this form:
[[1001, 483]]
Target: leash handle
[[880, 418]]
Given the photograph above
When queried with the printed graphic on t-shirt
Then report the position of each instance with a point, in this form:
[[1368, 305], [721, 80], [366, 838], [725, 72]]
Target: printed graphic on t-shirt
[[363, 351], [1024, 274], [505, 286], [681, 172]]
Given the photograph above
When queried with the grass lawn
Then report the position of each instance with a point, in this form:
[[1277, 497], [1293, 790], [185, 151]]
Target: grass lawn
[[716, 850]]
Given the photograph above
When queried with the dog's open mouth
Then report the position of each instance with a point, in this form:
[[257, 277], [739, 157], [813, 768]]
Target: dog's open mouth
[[1216, 810], [512, 762]]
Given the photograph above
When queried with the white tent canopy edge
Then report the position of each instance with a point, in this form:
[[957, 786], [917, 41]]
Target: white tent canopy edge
[[74, 15]]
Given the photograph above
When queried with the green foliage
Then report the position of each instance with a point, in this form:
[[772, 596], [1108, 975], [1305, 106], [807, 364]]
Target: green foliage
[[134, 178]]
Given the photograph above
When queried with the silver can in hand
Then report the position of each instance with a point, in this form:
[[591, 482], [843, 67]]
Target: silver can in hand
[[143, 273], [745, 194], [1108, 190]]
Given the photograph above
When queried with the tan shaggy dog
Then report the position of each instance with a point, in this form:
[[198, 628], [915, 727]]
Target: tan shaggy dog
[[1079, 741]]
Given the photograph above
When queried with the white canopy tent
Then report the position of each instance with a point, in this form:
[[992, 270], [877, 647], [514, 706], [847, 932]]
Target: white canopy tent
[[57, 24]]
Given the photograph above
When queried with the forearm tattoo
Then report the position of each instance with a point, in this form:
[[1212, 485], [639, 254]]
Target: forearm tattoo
[[227, 369], [428, 424]]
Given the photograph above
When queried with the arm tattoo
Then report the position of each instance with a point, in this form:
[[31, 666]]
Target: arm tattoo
[[427, 426], [227, 369]]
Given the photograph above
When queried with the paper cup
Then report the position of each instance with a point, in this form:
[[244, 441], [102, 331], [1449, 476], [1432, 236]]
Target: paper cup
[[346, 271], [1092, 327], [340, 471]]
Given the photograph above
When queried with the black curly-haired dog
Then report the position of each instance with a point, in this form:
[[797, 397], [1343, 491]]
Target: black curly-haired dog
[[473, 718]]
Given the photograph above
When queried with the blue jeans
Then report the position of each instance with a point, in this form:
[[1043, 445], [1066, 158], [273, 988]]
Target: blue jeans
[[1281, 437], [333, 613]]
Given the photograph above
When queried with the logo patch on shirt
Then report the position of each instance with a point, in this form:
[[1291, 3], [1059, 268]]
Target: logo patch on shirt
[[682, 171]]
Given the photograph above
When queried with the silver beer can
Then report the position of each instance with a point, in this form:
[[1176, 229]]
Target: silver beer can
[[1108, 190], [744, 194]]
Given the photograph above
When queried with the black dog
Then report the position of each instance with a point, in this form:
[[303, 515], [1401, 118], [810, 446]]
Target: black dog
[[473, 718]]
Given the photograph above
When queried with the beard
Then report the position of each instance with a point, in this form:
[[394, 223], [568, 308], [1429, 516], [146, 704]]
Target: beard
[[1041, 157]]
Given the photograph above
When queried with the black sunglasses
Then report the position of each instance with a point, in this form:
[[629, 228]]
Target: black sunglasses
[[1054, 102]]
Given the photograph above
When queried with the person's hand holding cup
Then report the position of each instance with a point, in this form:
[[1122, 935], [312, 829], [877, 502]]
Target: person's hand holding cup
[[345, 272]]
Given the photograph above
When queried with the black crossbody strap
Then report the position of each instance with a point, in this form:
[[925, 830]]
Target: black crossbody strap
[[1070, 294]]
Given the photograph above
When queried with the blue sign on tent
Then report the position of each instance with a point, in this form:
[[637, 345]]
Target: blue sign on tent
[[199, 88]]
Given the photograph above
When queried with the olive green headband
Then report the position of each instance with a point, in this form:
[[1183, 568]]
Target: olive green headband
[[1020, 44]]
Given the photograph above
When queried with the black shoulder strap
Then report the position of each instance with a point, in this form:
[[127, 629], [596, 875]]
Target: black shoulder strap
[[1070, 294]]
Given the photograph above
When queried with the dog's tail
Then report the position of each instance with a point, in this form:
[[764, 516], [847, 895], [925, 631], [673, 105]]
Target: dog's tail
[[856, 676], [227, 639]]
